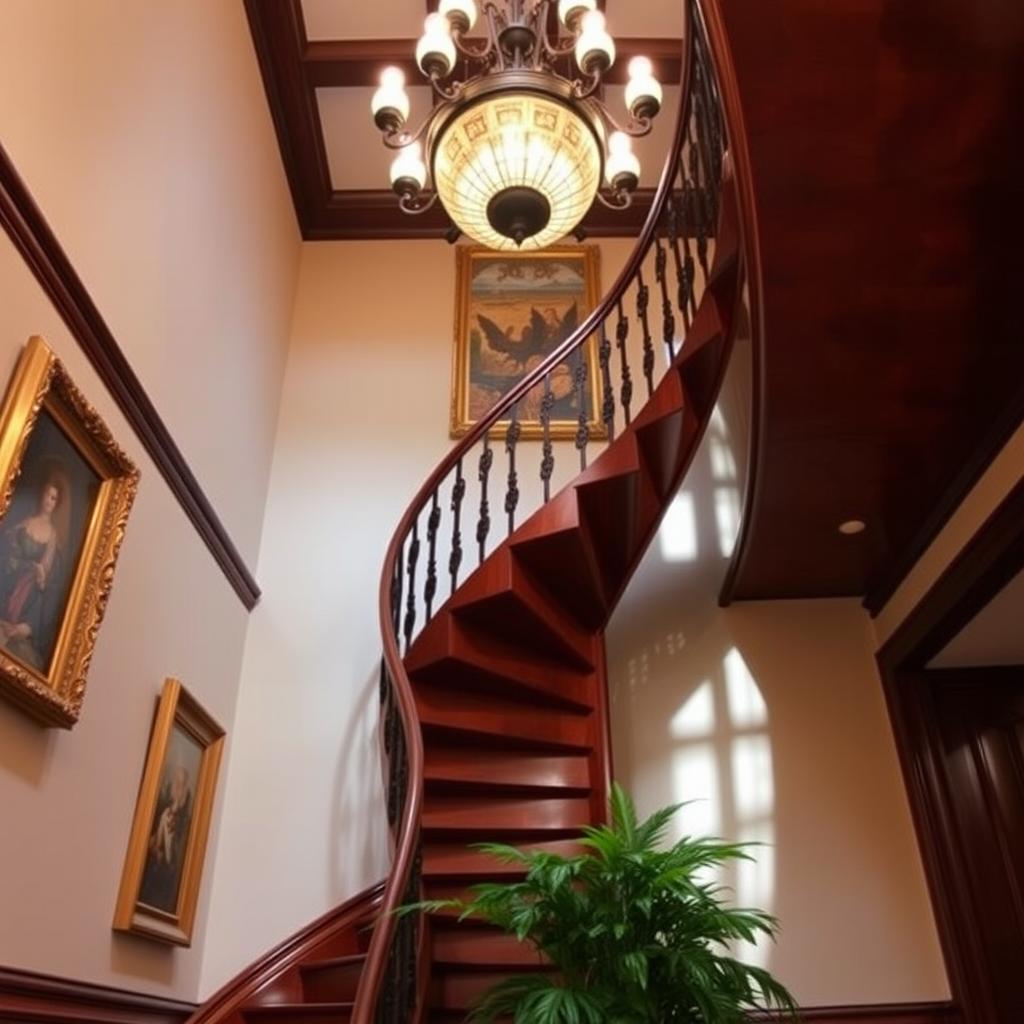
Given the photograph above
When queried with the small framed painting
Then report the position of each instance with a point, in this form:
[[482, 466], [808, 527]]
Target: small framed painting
[[164, 863], [66, 490], [512, 310]]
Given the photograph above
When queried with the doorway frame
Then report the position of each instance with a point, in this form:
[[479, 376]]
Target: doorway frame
[[993, 556]]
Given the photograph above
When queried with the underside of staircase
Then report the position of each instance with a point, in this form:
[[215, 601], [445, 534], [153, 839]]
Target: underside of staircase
[[508, 692]]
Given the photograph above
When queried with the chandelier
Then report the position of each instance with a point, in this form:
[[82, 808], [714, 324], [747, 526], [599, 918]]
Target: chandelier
[[518, 146]]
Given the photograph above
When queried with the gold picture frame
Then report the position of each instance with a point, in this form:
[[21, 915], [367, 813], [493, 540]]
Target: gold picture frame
[[511, 310], [164, 863], [66, 490]]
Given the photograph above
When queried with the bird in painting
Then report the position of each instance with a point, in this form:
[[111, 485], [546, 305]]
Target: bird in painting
[[538, 337]]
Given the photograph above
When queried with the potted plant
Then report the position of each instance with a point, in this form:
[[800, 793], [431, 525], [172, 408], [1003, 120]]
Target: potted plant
[[636, 933]]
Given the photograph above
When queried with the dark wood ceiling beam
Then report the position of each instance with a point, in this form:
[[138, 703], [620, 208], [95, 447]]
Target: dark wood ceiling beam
[[356, 214], [343, 63]]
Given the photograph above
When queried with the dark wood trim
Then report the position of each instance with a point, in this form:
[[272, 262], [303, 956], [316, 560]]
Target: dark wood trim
[[894, 1013], [987, 562], [993, 556], [286, 957], [30, 998], [294, 67], [967, 476], [368, 214], [339, 63], [27, 227]]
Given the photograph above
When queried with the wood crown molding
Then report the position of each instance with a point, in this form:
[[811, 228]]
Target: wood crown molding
[[293, 68], [30, 998], [894, 1013], [32, 236]]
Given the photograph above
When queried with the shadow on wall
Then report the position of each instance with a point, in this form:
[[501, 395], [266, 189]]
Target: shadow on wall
[[712, 746], [358, 833]]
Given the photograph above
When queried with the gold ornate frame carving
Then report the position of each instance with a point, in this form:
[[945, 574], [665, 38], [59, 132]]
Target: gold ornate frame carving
[[175, 707], [560, 429], [40, 382]]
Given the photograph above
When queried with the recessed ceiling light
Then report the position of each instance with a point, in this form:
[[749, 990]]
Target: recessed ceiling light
[[852, 526]]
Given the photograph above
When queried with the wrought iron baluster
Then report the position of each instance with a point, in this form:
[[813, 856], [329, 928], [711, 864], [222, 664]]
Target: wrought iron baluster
[[396, 592], [410, 600], [668, 320], [687, 218], [547, 462], [430, 588], [675, 226], [604, 355], [621, 335], [455, 557], [579, 379], [643, 300], [512, 494], [483, 526], [700, 189]]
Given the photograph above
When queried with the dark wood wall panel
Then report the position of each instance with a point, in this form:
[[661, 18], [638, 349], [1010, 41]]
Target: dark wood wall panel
[[29, 998], [27, 227]]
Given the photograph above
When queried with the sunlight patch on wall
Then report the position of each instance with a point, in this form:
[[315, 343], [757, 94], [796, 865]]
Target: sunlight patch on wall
[[696, 718], [678, 533], [727, 518], [746, 705], [695, 779], [755, 886]]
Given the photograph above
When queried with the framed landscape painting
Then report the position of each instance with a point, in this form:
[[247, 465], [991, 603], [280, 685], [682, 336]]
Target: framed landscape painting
[[512, 310], [66, 490], [164, 863]]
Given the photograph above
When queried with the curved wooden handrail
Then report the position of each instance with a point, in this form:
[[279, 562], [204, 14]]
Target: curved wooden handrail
[[407, 825]]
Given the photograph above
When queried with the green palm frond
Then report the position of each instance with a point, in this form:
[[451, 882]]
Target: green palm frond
[[635, 932]]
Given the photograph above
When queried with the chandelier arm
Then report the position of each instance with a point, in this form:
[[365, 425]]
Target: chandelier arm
[[417, 204], [448, 94], [400, 138], [636, 127], [472, 52], [620, 199], [583, 90]]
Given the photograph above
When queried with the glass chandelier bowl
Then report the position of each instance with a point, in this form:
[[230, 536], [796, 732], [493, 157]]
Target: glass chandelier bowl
[[517, 170], [520, 146]]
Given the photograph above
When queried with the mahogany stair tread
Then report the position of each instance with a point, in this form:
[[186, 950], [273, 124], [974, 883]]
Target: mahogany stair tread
[[468, 769]]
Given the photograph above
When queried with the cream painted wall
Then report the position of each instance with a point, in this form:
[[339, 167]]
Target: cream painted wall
[[770, 717], [364, 419], [143, 133], [142, 130], [68, 797]]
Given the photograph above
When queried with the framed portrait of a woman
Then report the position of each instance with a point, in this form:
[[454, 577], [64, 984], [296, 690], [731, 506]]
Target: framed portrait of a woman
[[164, 862], [66, 490]]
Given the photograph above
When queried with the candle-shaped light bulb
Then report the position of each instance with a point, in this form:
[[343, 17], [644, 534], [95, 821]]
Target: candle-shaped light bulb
[[595, 48], [461, 14], [390, 103], [435, 52], [570, 11], [622, 168], [644, 94], [408, 171]]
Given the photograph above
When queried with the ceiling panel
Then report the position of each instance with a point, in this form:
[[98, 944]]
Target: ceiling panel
[[392, 19], [349, 19]]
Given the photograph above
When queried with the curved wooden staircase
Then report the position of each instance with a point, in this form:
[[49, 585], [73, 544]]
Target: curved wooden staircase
[[494, 706]]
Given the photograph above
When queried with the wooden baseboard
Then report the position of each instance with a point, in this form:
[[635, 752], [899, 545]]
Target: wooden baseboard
[[894, 1013], [30, 998]]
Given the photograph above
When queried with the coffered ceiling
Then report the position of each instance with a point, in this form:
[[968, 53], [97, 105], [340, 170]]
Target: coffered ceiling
[[320, 61]]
